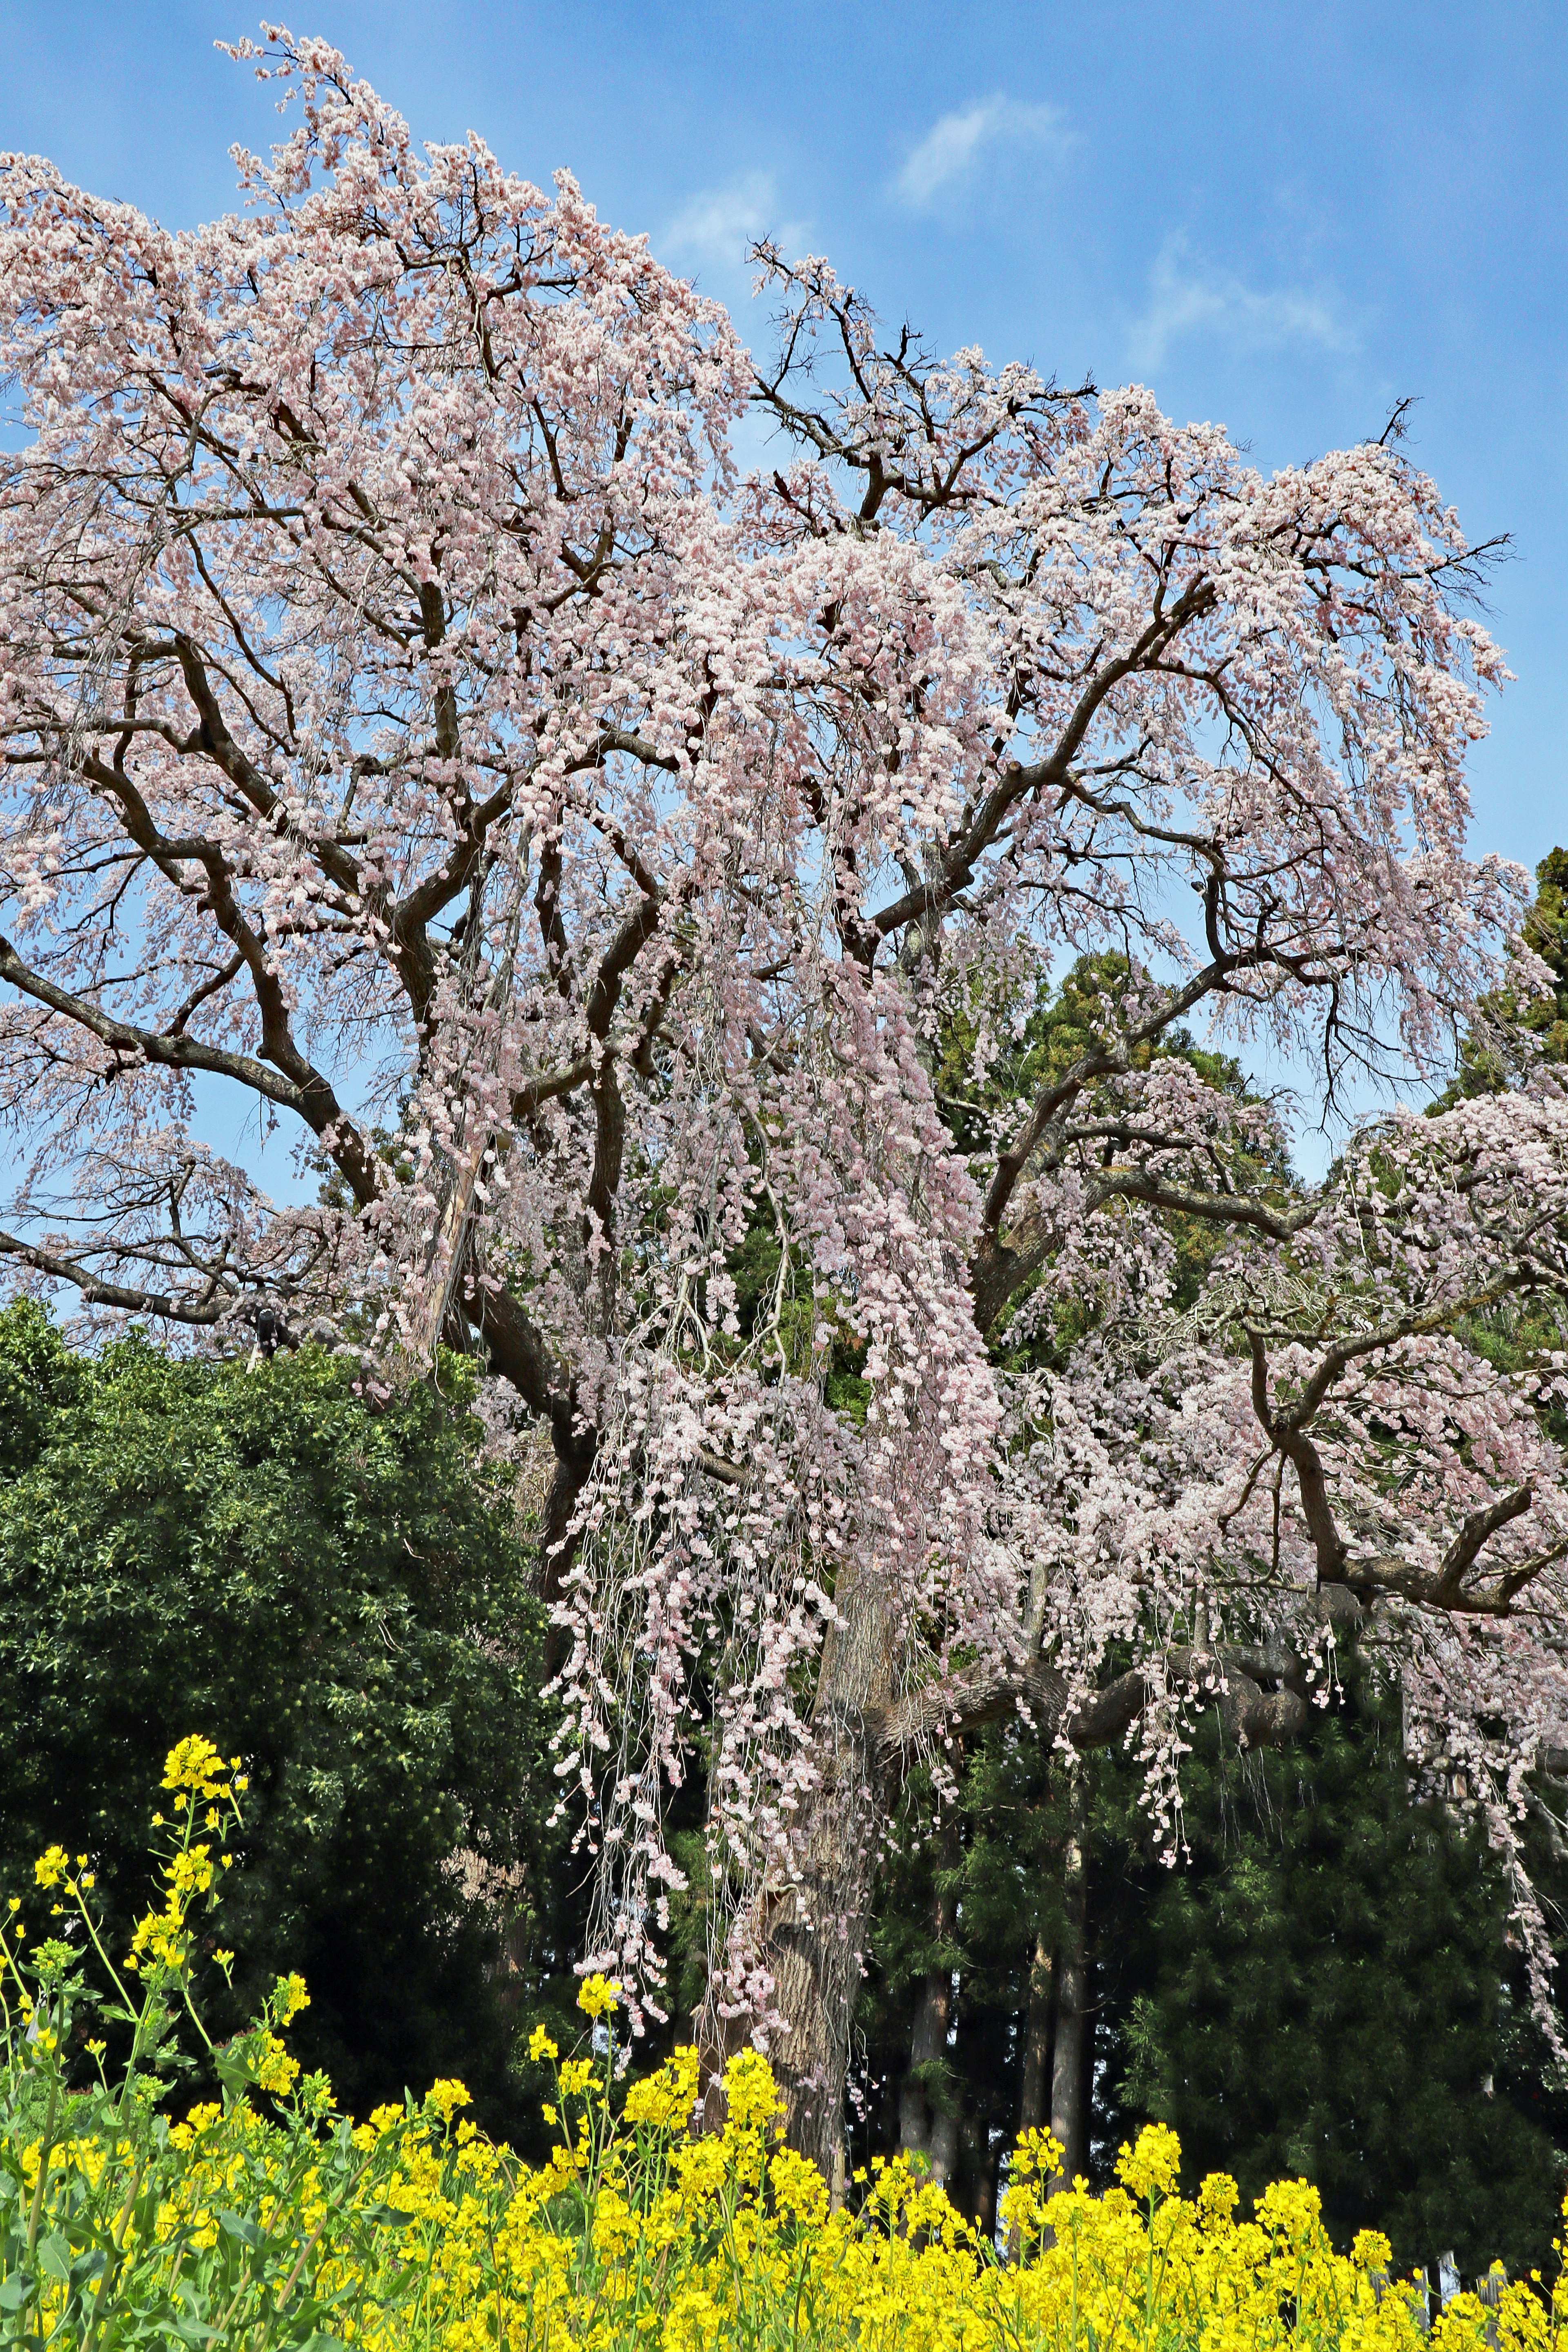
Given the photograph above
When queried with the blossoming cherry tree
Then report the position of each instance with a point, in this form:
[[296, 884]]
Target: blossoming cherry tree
[[420, 735]]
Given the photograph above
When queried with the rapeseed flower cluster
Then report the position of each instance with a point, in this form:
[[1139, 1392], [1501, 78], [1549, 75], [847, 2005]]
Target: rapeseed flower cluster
[[263, 2217]]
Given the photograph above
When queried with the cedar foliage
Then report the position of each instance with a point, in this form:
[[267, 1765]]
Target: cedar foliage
[[1323, 1988], [1328, 1989], [1516, 1028]]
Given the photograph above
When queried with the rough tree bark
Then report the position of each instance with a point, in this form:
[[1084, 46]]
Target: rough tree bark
[[926, 2128], [1070, 2119], [814, 1930], [1038, 2038]]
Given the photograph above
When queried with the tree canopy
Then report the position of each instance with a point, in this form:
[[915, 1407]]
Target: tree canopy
[[333, 1593], [1522, 1025]]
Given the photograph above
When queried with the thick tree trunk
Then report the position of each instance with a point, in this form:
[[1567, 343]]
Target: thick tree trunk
[[1037, 2039], [925, 2127], [810, 1937], [979, 2176], [815, 1931], [1069, 2056]]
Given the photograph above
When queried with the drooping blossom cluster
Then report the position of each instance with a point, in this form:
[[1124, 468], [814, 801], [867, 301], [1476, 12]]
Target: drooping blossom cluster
[[420, 735]]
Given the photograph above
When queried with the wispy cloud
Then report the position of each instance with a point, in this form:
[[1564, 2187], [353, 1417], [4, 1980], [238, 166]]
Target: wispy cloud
[[1186, 299], [717, 227], [953, 148]]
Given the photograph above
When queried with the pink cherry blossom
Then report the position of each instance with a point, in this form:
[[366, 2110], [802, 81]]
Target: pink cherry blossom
[[418, 730]]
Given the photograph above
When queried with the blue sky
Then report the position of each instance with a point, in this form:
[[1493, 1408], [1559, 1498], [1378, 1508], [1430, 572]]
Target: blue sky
[[1283, 216]]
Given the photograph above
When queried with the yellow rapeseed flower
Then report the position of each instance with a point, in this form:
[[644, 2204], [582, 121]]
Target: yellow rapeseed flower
[[193, 1764], [751, 2094], [190, 1871], [278, 2072], [159, 1937], [598, 1995], [1151, 2167], [641, 2232], [1217, 2199], [665, 2100]]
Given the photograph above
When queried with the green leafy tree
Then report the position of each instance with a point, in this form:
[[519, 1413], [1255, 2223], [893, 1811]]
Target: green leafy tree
[[995, 1056], [1326, 1990], [338, 1595], [1323, 1988], [1515, 1029]]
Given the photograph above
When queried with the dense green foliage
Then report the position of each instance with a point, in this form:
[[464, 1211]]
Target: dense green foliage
[[1516, 1028], [339, 1594], [1324, 1988]]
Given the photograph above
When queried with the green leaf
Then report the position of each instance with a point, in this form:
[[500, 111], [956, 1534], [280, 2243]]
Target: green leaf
[[55, 2254]]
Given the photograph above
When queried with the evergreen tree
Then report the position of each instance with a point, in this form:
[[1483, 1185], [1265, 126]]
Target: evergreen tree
[[1326, 1990], [335, 1594], [1321, 1988], [1515, 1030]]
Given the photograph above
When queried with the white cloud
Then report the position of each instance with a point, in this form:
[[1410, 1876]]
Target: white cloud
[[717, 227], [1185, 298], [953, 147]]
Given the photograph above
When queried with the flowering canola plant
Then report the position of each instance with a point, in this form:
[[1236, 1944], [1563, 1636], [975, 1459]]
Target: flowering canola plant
[[264, 2218]]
